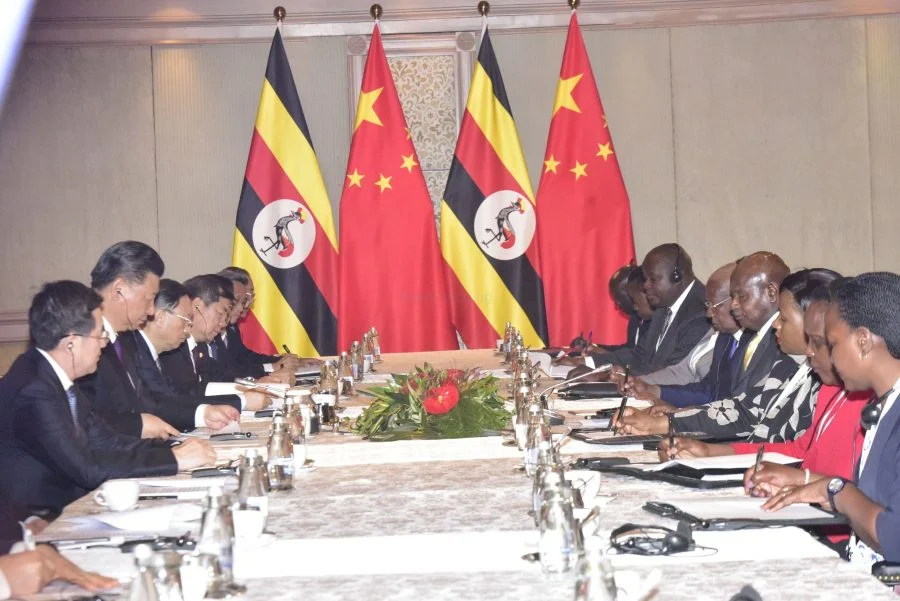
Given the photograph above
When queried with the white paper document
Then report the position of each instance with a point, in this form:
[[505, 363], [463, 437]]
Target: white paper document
[[593, 405], [726, 462], [741, 507], [152, 519]]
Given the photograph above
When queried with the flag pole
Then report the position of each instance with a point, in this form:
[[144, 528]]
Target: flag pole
[[484, 7], [279, 14]]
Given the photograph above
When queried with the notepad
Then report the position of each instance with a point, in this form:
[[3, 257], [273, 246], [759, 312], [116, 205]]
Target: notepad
[[740, 507], [726, 467]]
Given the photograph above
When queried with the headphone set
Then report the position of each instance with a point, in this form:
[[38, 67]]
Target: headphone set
[[871, 413], [652, 540]]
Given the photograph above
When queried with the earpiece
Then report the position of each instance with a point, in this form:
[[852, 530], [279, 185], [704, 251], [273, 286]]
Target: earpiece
[[70, 345], [677, 273], [119, 292], [197, 307]]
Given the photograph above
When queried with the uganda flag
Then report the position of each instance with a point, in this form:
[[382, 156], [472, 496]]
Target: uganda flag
[[584, 217], [488, 220], [391, 274], [284, 232]]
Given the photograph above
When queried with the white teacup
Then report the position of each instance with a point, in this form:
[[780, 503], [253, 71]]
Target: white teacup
[[118, 495]]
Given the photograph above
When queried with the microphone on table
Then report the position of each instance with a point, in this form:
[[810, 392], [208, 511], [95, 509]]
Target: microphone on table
[[546, 393]]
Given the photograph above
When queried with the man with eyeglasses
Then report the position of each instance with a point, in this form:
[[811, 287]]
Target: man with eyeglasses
[[188, 367], [716, 356], [53, 447], [235, 351], [167, 330]]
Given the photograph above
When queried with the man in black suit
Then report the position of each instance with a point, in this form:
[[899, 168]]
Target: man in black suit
[[53, 447], [126, 277], [679, 318], [165, 331], [188, 367], [231, 342], [755, 288]]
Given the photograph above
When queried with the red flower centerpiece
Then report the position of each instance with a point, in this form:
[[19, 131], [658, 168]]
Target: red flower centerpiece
[[433, 403], [442, 399]]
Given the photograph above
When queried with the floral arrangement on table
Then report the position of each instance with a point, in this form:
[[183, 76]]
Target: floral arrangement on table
[[434, 403]]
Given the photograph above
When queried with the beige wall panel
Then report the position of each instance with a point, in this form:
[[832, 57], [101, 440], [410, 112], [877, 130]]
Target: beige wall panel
[[632, 72], [76, 164], [206, 102], [884, 114], [771, 142]]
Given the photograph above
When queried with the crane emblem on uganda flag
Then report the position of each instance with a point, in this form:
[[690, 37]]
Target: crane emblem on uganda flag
[[283, 235], [510, 223]]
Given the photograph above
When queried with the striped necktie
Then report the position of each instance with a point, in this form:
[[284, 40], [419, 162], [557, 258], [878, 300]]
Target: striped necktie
[[72, 398]]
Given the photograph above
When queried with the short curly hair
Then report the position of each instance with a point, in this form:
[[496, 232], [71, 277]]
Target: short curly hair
[[870, 300]]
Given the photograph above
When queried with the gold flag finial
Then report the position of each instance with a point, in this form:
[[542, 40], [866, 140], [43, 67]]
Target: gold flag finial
[[484, 7], [573, 4], [376, 11], [279, 13]]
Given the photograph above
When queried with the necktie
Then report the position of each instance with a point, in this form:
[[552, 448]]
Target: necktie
[[665, 327], [73, 406], [751, 348], [225, 339], [213, 350], [198, 359], [117, 346], [732, 347]]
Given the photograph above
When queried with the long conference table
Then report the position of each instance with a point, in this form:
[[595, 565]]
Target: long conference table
[[449, 519]]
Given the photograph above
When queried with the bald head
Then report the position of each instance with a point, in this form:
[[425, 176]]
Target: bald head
[[755, 284], [718, 300]]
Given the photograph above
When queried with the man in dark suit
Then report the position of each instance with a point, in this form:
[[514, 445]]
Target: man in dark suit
[[679, 319], [126, 277], [167, 330], [725, 354], [231, 343], [53, 446], [188, 367], [755, 287]]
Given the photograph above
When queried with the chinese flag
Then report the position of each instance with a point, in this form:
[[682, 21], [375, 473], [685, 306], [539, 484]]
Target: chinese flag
[[584, 218], [391, 271]]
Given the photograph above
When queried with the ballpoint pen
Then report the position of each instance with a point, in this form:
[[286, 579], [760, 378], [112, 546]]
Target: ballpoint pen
[[621, 411], [759, 457], [287, 351], [671, 436]]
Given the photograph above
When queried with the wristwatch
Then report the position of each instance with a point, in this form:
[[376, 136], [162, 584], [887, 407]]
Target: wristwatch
[[835, 485]]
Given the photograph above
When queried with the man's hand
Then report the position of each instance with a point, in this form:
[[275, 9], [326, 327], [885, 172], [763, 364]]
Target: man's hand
[[281, 376], [28, 572], [684, 448], [63, 569], [637, 388], [194, 453], [570, 361], [287, 362], [310, 363], [153, 427], [661, 408], [634, 421], [771, 478], [256, 400], [217, 417]]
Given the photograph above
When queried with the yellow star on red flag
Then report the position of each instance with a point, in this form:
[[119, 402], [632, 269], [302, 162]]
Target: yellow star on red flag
[[384, 183], [366, 109], [564, 99], [408, 162], [580, 170], [550, 164], [355, 179], [605, 150]]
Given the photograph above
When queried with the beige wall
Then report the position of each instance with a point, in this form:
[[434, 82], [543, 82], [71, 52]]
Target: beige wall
[[731, 138]]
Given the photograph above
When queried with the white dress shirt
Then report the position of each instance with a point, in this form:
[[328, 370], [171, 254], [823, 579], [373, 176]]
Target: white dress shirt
[[674, 309]]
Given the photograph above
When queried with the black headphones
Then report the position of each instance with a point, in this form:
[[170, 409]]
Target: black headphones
[[677, 270], [871, 413], [651, 540]]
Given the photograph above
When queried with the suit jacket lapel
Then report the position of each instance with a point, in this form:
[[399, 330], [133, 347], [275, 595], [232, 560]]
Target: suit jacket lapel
[[49, 376]]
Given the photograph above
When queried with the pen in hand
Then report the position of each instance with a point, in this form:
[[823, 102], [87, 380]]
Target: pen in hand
[[287, 351], [672, 451], [759, 458], [618, 415]]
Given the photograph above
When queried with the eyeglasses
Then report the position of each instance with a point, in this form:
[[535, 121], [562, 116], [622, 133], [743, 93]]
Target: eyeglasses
[[187, 320], [247, 299], [710, 305], [103, 337]]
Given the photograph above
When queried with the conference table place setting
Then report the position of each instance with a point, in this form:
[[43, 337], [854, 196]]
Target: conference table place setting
[[459, 504]]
